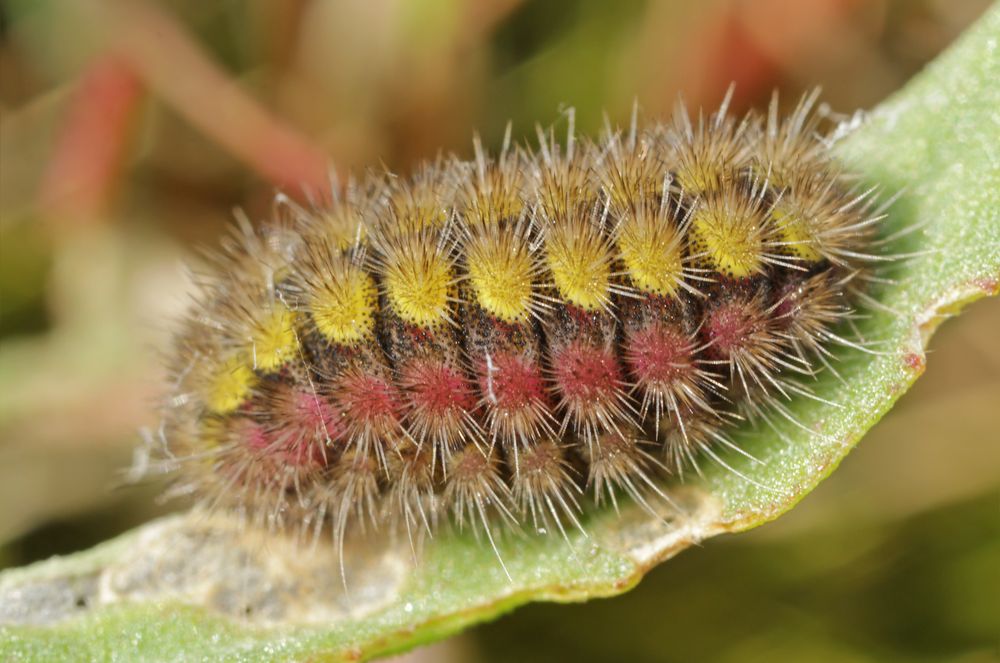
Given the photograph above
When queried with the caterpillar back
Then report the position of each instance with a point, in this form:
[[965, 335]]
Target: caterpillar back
[[493, 343]]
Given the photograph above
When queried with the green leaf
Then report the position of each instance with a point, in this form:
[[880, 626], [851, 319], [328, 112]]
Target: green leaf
[[190, 586]]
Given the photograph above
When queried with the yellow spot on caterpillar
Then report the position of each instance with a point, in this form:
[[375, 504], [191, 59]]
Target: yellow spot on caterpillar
[[652, 252], [493, 194], [344, 308], [795, 235], [494, 203], [710, 162], [273, 341], [700, 176], [580, 263], [422, 205], [229, 385], [500, 273], [563, 189], [421, 218], [630, 190], [419, 284], [210, 437], [730, 240], [709, 156], [777, 178], [343, 227]]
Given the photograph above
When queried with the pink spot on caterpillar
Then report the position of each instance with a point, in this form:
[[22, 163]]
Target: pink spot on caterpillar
[[436, 388], [314, 413], [252, 434], [727, 328], [368, 399], [788, 302], [658, 354], [305, 424], [511, 382], [584, 372]]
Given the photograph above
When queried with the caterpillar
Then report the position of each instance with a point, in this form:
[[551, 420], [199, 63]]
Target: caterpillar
[[492, 343]]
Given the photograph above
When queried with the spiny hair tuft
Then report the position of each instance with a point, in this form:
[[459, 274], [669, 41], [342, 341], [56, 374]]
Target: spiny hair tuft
[[486, 342]]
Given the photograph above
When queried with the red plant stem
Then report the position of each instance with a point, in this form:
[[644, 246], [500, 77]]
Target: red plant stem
[[91, 146], [177, 70]]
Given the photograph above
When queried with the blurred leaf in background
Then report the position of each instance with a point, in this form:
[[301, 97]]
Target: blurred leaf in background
[[129, 130]]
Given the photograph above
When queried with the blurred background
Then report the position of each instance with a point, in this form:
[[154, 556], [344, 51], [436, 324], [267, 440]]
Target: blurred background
[[130, 130]]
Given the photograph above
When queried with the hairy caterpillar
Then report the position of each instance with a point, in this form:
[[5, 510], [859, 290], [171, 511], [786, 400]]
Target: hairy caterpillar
[[488, 342]]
